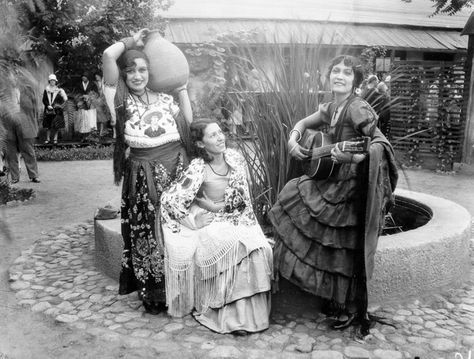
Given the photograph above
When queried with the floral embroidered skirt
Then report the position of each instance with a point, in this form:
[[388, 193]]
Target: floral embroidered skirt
[[318, 235], [147, 173]]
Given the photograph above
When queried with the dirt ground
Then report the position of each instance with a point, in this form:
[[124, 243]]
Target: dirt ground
[[69, 193]]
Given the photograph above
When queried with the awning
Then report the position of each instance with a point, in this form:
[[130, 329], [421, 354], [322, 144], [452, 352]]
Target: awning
[[187, 31]]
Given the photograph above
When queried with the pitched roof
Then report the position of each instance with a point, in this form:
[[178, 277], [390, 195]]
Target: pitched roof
[[394, 12], [184, 31]]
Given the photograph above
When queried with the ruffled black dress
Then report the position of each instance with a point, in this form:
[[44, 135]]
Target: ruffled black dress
[[319, 223]]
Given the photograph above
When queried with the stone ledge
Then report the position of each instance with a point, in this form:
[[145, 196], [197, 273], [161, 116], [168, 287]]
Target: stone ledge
[[108, 246]]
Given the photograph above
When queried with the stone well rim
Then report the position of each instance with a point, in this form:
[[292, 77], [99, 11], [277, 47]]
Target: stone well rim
[[449, 220]]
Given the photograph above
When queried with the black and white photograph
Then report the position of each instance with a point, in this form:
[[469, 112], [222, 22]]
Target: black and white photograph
[[245, 179]]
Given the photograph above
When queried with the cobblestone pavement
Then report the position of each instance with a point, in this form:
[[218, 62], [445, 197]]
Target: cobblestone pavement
[[57, 276]]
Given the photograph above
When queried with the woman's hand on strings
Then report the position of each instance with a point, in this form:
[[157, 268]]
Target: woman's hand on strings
[[295, 150]]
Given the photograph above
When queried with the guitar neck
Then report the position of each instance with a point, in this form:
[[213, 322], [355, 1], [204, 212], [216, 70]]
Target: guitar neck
[[325, 151]]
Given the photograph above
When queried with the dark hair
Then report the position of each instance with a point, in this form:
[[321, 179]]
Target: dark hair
[[128, 60], [349, 61], [197, 129]]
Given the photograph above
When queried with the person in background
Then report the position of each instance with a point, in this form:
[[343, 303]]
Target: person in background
[[218, 260], [155, 159], [21, 130], [103, 115], [326, 230], [54, 99], [86, 119]]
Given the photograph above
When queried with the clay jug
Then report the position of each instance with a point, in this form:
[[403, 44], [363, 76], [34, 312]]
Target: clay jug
[[169, 68]]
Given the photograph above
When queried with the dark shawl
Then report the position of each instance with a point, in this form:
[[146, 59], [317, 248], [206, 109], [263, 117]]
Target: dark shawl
[[382, 180]]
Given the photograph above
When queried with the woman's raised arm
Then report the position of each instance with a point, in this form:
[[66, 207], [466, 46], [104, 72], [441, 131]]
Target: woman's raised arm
[[109, 62], [185, 103]]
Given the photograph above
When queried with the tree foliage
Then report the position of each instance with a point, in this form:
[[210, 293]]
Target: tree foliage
[[74, 33], [448, 7]]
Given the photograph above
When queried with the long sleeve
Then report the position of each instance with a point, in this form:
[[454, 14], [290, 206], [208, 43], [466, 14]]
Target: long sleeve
[[45, 98]]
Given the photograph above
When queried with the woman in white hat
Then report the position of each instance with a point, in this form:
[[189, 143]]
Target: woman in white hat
[[54, 99]]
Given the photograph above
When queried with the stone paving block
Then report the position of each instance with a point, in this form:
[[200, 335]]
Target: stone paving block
[[225, 351], [326, 354], [356, 352], [387, 354], [40, 307], [442, 344]]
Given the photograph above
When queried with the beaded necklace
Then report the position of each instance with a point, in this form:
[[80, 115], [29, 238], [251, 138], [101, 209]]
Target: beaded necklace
[[219, 174], [147, 103]]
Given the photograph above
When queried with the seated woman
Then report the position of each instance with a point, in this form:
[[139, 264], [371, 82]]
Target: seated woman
[[327, 229], [218, 260]]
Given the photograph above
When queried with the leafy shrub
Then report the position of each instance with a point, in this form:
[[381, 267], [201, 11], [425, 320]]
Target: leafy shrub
[[272, 99], [95, 152], [8, 193]]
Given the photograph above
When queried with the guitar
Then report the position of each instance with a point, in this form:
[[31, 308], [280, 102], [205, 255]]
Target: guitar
[[318, 145]]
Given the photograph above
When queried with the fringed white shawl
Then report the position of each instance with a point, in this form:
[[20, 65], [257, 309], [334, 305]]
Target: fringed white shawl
[[201, 263]]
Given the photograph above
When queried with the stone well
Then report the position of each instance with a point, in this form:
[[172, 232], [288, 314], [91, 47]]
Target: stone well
[[414, 262], [424, 259]]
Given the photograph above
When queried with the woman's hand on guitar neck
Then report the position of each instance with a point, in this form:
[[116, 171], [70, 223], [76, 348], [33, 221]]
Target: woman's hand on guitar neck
[[295, 150], [340, 157], [346, 157]]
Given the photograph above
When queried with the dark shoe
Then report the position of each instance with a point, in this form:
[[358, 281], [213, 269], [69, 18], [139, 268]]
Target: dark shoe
[[35, 180], [240, 333], [13, 181], [154, 309], [330, 309], [343, 324]]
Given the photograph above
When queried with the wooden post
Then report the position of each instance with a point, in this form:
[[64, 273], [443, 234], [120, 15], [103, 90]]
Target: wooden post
[[468, 96]]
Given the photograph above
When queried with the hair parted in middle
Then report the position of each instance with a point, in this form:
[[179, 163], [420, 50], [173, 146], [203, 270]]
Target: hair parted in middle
[[349, 61], [128, 58]]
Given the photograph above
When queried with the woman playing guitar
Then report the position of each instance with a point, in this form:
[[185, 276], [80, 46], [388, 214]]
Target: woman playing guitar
[[327, 229]]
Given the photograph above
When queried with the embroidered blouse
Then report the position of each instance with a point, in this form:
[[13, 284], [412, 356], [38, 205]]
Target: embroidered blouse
[[151, 125], [177, 199]]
